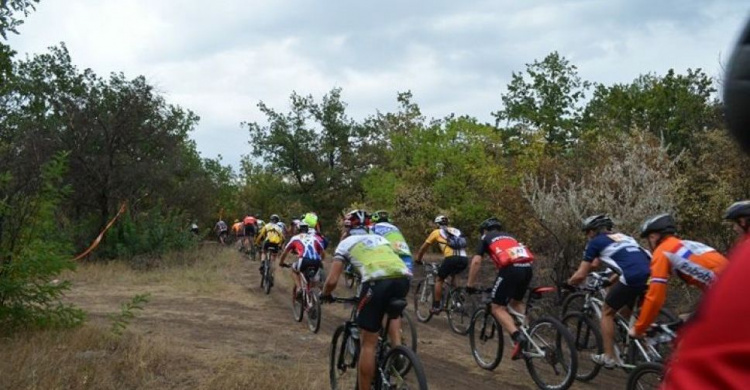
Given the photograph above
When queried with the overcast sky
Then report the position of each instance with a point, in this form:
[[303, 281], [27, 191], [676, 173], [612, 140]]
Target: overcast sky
[[219, 58]]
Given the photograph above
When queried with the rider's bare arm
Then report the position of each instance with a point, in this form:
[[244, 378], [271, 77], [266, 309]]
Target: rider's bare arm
[[476, 263], [581, 273], [422, 250]]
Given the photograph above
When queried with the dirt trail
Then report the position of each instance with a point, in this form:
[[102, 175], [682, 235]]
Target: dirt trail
[[245, 323]]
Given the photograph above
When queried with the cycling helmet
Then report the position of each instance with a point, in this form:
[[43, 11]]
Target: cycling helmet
[[662, 223], [303, 227], [595, 222], [738, 210], [311, 219], [380, 216], [736, 85], [441, 220], [356, 218], [275, 218], [490, 223]]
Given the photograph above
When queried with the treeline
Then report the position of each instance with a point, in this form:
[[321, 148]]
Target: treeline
[[561, 148]]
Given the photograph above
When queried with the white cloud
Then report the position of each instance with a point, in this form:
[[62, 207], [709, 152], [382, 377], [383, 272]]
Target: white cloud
[[220, 58]]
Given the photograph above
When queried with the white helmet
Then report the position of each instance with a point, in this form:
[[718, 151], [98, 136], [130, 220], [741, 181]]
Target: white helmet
[[441, 220]]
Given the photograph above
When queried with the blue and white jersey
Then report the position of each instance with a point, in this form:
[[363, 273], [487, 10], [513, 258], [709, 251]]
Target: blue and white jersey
[[623, 255]]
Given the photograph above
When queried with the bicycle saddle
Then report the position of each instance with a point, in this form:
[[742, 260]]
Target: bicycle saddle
[[395, 307]]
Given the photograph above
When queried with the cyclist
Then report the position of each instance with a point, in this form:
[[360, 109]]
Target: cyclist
[[739, 214], [238, 229], [272, 236], [384, 278], [221, 230], [453, 245], [194, 228], [513, 262], [695, 263], [382, 226], [310, 252], [259, 222], [630, 264], [251, 229]]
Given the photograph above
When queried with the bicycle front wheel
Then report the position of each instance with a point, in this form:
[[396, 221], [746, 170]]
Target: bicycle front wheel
[[313, 312], [588, 342], [298, 306], [401, 369], [460, 308], [408, 332], [343, 360], [550, 354], [646, 376], [423, 301], [486, 339], [268, 277]]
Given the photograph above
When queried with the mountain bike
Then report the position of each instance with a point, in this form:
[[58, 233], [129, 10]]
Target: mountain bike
[[308, 301], [397, 367], [588, 338], [649, 375], [266, 271], [550, 354], [351, 277], [458, 304]]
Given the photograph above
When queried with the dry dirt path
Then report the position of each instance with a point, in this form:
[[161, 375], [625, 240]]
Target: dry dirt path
[[238, 320]]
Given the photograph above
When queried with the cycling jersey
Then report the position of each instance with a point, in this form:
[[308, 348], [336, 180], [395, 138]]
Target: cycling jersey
[[503, 249], [372, 256], [271, 233], [439, 236], [623, 255], [249, 220], [238, 229], [394, 236], [221, 226], [713, 348], [306, 246], [695, 263]]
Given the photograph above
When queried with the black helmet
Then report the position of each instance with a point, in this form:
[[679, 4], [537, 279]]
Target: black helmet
[[380, 216], [303, 227], [356, 218], [737, 210], [490, 223], [736, 85], [662, 223], [595, 222], [274, 218]]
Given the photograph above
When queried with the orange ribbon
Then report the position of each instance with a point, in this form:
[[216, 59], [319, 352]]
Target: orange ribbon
[[101, 235]]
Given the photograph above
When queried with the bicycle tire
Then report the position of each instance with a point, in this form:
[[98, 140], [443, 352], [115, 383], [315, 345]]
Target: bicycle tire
[[480, 334], [400, 362], [268, 277], [406, 322], [563, 340], [339, 354], [423, 294], [314, 314], [263, 274], [637, 374], [573, 302], [298, 309], [587, 339], [460, 308]]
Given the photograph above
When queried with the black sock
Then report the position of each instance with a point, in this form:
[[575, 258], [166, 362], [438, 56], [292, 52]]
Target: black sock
[[515, 335]]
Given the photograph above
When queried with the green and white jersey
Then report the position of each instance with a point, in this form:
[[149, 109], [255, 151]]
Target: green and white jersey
[[372, 256], [394, 236]]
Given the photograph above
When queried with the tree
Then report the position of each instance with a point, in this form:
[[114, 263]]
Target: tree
[[9, 22], [547, 98]]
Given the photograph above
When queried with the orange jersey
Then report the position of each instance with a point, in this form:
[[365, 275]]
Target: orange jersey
[[238, 227], [695, 263]]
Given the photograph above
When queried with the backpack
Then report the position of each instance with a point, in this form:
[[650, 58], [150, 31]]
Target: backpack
[[454, 239]]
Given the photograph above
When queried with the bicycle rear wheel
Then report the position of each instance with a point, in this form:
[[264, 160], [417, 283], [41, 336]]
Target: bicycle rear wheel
[[262, 274], [423, 301], [486, 339], [556, 367], [269, 279], [401, 369], [298, 306], [343, 360], [646, 376], [588, 342], [313, 312], [460, 308]]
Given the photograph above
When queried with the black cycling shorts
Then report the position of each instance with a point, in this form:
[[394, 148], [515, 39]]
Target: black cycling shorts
[[271, 247], [621, 295], [375, 296], [303, 265], [511, 283], [250, 230], [452, 265]]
